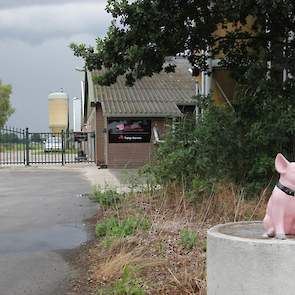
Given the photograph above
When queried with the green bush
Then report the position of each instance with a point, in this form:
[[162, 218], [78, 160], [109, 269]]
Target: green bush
[[128, 284], [188, 239], [107, 198], [174, 159], [112, 227], [237, 144], [199, 189]]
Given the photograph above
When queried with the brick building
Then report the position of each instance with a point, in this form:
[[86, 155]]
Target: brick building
[[130, 121]]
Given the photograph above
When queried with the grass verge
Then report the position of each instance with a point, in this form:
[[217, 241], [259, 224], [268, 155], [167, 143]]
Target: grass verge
[[167, 254]]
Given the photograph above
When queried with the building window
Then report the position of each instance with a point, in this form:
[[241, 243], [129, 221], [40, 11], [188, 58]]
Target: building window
[[129, 130]]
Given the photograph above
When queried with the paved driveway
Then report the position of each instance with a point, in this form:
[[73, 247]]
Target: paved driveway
[[41, 213]]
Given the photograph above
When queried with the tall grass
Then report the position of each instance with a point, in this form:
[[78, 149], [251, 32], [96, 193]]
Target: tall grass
[[170, 257]]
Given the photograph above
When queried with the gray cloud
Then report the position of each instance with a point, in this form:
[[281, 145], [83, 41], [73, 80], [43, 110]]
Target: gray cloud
[[34, 54], [14, 3], [38, 23], [34, 71]]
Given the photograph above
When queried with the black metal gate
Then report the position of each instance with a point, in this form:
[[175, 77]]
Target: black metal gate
[[21, 147]]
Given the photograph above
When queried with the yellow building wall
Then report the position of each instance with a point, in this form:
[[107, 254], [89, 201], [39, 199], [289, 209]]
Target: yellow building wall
[[226, 85], [220, 79], [223, 29], [216, 95]]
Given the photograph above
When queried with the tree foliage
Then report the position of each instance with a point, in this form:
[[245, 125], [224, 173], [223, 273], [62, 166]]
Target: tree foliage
[[144, 32], [8, 138], [5, 107]]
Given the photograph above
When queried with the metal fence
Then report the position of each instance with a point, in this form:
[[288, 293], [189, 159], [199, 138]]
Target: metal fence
[[21, 147]]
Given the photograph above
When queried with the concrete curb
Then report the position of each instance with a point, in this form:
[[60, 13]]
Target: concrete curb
[[240, 261]]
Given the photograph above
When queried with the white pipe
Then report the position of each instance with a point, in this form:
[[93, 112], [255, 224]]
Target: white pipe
[[209, 77], [156, 136]]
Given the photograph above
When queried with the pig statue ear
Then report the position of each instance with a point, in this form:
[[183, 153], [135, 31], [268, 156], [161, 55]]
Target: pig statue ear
[[281, 164]]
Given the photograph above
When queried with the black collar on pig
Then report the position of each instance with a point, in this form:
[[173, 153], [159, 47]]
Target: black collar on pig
[[285, 189]]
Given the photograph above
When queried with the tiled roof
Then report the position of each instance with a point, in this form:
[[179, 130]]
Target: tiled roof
[[156, 96]]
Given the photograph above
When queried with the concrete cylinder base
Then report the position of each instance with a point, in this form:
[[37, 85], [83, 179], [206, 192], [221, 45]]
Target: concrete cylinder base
[[241, 262]]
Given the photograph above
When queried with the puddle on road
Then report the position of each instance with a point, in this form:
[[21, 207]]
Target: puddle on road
[[58, 237]]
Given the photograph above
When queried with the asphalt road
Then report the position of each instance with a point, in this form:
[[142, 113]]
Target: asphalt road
[[42, 214]]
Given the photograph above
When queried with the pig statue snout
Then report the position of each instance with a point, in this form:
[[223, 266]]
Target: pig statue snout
[[279, 220]]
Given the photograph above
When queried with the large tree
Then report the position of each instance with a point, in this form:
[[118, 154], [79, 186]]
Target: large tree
[[144, 32], [5, 106]]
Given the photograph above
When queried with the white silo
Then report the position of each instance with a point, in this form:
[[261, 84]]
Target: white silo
[[77, 112]]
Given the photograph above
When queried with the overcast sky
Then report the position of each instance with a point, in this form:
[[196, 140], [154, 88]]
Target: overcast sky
[[34, 54]]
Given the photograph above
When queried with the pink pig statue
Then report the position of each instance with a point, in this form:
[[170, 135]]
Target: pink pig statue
[[279, 220]]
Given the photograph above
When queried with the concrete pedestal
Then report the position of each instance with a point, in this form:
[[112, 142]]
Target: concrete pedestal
[[241, 262]]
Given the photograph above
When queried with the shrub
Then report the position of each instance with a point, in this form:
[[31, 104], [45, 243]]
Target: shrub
[[112, 227], [107, 198], [174, 159], [237, 144], [188, 239], [128, 284]]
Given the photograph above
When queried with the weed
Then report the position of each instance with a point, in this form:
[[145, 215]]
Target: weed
[[107, 198], [112, 227], [128, 284], [188, 239], [107, 242]]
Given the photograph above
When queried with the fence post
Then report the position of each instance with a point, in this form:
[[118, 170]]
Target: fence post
[[27, 147], [62, 147]]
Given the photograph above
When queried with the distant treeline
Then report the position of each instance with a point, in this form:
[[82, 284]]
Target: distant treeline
[[15, 138]]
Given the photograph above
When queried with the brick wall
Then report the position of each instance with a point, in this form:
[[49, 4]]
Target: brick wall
[[132, 155], [100, 136]]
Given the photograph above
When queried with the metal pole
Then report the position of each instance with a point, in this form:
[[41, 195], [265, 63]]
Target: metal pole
[[62, 147], [27, 147]]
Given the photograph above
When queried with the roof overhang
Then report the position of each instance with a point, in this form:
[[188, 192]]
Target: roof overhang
[[142, 115]]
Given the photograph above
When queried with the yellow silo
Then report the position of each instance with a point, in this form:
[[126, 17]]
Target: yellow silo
[[58, 111]]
